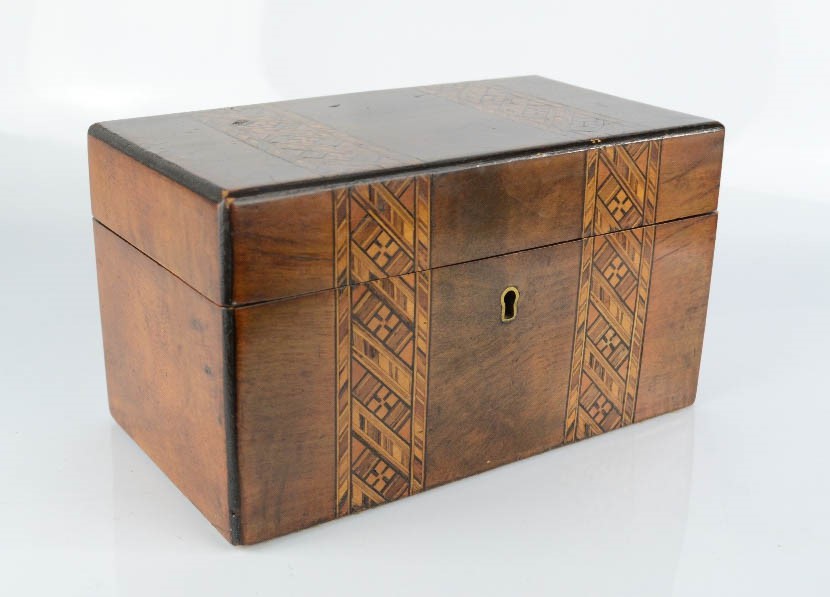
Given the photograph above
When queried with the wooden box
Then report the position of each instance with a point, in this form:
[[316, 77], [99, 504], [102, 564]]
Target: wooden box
[[313, 307]]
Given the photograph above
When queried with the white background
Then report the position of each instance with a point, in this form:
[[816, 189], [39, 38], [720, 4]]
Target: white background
[[728, 497]]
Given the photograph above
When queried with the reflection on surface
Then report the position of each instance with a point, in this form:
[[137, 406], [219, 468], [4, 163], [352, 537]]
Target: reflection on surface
[[602, 516]]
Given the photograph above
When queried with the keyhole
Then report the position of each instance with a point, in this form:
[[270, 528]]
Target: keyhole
[[509, 303]]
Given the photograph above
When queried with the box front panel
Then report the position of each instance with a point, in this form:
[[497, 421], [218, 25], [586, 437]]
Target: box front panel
[[401, 381]]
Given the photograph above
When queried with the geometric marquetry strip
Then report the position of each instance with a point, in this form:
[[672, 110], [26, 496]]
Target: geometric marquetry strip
[[311, 145], [615, 276], [527, 109], [381, 269], [620, 187]]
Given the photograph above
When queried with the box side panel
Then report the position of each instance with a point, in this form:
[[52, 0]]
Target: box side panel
[[690, 169], [173, 225], [676, 315], [163, 345], [286, 414], [282, 247]]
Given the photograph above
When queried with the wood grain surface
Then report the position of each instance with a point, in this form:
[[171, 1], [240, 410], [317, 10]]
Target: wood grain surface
[[164, 348], [163, 219], [281, 247], [676, 315], [690, 175], [286, 414], [497, 390], [501, 208]]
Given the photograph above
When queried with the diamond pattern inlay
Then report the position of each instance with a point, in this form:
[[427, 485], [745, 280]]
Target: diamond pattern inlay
[[381, 239], [620, 208]]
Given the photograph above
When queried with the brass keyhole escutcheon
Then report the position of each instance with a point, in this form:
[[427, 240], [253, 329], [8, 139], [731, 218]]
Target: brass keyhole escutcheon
[[509, 304]]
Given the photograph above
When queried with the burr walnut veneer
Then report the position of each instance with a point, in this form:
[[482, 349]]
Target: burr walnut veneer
[[313, 307]]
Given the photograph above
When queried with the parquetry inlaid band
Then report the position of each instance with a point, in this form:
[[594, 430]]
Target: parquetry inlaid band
[[312, 145], [381, 267], [527, 109], [615, 276]]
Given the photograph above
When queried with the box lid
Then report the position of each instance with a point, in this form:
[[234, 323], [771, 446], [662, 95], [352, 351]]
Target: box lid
[[254, 203]]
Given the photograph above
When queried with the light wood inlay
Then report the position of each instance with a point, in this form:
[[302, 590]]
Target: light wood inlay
[[615, 275], [381, 235]]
